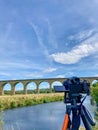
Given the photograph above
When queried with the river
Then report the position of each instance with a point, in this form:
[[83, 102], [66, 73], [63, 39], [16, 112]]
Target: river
[[40, 117]]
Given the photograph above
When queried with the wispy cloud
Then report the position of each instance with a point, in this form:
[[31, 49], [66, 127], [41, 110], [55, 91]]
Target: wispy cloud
[[32, 74], [82, 35], [10, 65], [39, 74], [96, 75], [4, 38], [7, 74], [60, 76], [51, 36], [6, 33], [49, 70], [85, 49], [37, 31]]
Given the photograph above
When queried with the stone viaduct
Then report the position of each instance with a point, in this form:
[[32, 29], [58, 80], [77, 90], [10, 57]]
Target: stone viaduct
[[25, 82]]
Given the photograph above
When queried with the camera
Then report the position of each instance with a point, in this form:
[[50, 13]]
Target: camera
[[73, 88]]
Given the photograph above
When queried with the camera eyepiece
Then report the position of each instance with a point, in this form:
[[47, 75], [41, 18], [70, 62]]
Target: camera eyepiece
[[74, 80]]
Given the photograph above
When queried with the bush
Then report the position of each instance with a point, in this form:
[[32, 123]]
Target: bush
[[21, 104], [13, 104], [94, 93]]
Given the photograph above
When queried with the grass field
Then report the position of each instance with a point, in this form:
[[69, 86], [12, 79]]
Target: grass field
[[8, 101]]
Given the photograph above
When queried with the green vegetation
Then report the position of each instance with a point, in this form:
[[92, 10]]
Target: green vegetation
[[1, 121], [8, 102], [94, 92], [94, 128], [47, 90]]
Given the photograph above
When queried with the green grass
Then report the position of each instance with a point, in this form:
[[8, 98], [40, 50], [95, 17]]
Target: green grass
[[94, 92], [9, 102], [94, 128]]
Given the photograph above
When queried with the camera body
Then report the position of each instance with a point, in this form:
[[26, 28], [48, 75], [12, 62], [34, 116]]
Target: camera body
[[73, 88]]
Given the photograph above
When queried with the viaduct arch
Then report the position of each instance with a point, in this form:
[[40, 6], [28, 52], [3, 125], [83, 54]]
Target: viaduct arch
[[25, 82]]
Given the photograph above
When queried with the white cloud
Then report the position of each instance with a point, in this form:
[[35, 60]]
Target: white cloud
[[32, 75], [85, 49], [49, 70], [60, 76], [9, 65], [96, 75], [6, 33], [38, 32], [5, 74], [51, 36], [82, 35]]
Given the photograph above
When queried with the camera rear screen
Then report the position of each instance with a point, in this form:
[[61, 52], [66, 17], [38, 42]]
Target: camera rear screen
[[60, 89]]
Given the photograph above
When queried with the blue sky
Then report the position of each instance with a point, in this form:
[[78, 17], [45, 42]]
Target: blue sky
[[48, 38]]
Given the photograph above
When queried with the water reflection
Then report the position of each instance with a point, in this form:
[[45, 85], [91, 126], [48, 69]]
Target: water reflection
[[37, 117]]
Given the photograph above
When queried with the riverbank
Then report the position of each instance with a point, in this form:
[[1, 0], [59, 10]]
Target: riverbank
[[15, 101]]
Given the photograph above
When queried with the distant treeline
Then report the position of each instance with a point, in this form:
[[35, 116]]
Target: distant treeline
[[8, 92]]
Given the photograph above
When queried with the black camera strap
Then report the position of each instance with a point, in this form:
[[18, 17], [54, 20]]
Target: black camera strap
[[83, 100]]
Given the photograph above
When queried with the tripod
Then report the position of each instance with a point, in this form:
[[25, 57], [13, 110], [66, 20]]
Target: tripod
[[78, 111]]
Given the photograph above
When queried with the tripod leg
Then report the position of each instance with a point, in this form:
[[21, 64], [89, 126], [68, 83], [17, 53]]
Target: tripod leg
[[88, 116], [85, 121], [75, 121], [66, 122]]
